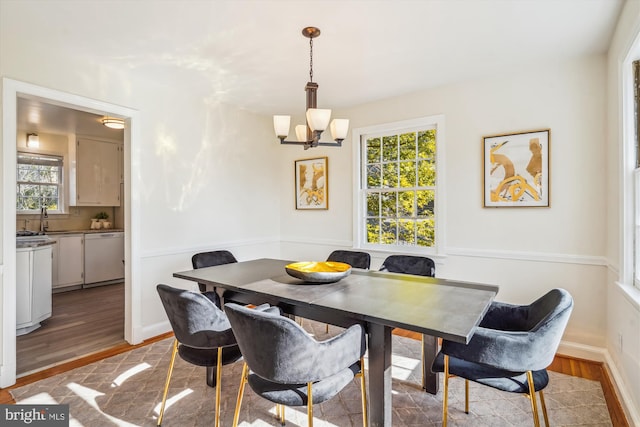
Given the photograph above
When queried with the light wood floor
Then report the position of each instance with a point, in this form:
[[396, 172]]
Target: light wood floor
[[100, 311], [83, 321]]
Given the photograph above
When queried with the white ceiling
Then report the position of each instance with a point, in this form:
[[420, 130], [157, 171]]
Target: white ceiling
[[251, 53]]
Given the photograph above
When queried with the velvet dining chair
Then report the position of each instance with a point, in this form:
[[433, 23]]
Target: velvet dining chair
[[287, 366], [409, 264], [355, 259], [201, 331], [510, 350], [211, 259]]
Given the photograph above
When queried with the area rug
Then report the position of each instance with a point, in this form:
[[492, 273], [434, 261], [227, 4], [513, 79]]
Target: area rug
[[126, 390]]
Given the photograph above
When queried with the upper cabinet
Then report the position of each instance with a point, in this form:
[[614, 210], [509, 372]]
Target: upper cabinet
[[95, 173]]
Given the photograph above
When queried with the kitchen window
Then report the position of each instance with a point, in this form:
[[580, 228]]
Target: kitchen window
[[399, 195], [39, 183]]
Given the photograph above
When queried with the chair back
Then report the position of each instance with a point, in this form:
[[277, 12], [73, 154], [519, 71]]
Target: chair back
[[353, 258], [212, 258], [518, 338], [547, 318], [196, 321], [408, 264], [279, 350]]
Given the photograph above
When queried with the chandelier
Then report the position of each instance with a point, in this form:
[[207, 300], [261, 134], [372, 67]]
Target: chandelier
[[317, 118]]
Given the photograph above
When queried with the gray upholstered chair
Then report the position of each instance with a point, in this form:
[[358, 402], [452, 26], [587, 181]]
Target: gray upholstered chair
[[409, 264], [355, 259], [510, 350], [201, 332], [210, 259], [289, 367]]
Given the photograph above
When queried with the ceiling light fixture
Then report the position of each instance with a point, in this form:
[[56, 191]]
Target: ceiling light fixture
[[317, 118], [33, 140], [113, 122]]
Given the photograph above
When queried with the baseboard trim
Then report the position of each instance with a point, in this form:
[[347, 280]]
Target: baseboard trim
[[154, 330], [582, 351], [624, 396]]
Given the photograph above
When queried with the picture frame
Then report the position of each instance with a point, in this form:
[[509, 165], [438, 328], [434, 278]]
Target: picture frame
[[516, 169], [311, 181]]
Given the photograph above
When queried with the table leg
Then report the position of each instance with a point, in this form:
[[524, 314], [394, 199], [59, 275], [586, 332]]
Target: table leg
[[430, 380], [211, 376], [379, 375]]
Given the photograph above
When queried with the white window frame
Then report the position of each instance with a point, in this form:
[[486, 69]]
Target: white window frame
[[359, 202], [60, 185]]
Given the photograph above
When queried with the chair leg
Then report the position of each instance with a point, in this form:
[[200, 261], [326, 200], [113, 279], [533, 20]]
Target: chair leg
[[363, 391], [243, 382], [466, 396], [532, 396], [166, 384], [445, 396], [280, 413], [218, 385], [424, 380], [544, 409], [309, 405]]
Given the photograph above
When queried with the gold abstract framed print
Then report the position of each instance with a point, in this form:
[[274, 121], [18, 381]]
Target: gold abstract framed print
[[516, 169], [311, 183]]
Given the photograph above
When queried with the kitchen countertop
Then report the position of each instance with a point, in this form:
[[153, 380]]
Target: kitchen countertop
[[36, 241], [102, 230]]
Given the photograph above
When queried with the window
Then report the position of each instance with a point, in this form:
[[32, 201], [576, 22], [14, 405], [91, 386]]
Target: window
[[398, 186], [39, 182], [636, 172]]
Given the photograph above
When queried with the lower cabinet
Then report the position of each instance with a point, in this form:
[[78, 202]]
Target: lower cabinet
[[68, 261], [33, 287]]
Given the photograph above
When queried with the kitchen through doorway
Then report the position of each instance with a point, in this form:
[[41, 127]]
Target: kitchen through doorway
[[128, 293]]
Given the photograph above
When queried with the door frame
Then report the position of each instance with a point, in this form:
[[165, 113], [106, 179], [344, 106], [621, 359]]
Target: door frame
[[11, 91]]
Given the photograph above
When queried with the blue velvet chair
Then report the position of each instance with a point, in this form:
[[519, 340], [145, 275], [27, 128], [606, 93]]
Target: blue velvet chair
[[409, 264], [201, 332], [211, 259], [355, 259], [510, 350], [288, 366]]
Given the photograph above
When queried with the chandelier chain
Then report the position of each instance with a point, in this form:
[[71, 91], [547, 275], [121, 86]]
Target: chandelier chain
[[310, 59]]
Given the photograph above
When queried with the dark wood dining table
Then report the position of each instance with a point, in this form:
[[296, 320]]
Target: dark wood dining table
[[380, 301]]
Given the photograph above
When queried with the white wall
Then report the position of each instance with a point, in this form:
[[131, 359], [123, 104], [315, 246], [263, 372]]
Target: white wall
[[623, 301], [526, 251], [205, 169]]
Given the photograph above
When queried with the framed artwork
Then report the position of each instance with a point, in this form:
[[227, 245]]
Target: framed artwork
[[516, 169], [311, 183]]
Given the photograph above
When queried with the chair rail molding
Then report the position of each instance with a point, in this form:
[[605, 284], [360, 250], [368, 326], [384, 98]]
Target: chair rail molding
[[529, 256]]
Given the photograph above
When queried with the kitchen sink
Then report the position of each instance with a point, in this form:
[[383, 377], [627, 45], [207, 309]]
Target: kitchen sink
[[23, 233]]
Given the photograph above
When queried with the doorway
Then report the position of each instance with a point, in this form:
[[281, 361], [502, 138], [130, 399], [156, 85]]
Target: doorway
[[12, 90]]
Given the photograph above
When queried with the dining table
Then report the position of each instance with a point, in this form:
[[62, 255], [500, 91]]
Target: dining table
[[380, 301]]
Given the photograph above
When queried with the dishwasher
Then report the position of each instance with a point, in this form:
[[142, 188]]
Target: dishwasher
[[103, 258]]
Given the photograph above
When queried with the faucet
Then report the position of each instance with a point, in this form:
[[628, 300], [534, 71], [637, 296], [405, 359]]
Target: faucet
[[43, 215]]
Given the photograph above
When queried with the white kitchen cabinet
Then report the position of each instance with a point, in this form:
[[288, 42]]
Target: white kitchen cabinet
[[95, 173], [68, 261], [33, 287]]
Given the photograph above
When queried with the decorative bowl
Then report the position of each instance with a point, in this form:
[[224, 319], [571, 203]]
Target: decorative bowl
[[318, 272]]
